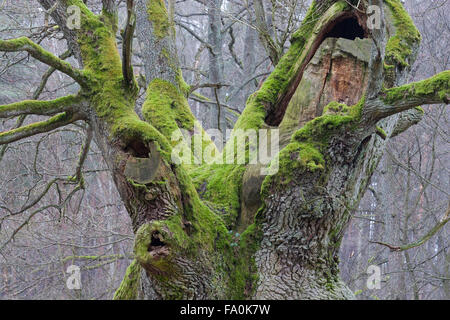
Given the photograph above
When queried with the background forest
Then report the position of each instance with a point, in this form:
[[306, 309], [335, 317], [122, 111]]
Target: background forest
[[233, 45]]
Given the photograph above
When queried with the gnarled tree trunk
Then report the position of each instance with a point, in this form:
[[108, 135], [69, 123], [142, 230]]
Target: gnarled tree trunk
[[336, 96]]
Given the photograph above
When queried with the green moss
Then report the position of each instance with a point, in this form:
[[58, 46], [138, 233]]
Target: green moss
[[157, 13], [184, 87], [235, 264], [305, 151], [137, 185], [41, 126], [241, 259], [13, 44], [266, 98], [206, 235], [321, 128], [211, 180], [313, 15], [299, 156], [128, 289], [420, 109], [167, 108], [335, 108], [111, 19], [38, 106], [128, 127], [98, 45], [142, 242], [399, 46], [210, 227], [381, 132], [437, 87]]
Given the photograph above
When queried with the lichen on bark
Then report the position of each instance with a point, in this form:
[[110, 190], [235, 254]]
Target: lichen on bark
[[196, 237]]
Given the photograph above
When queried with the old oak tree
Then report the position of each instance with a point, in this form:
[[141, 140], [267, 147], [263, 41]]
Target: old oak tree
[[337, 96]]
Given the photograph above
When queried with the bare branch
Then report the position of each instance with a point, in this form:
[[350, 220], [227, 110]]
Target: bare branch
[[207, 85], [264, 34], [196, 36], [215, 103], [424, 239], [47, 75], [59, 207]]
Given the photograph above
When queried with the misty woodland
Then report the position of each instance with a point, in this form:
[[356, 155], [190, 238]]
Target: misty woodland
[[224, 149]]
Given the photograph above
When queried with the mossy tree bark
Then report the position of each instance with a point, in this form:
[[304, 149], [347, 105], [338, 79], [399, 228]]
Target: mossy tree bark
[[224, 231]]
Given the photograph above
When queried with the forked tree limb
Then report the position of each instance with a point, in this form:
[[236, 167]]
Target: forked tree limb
[[264, 34], [36, 95]]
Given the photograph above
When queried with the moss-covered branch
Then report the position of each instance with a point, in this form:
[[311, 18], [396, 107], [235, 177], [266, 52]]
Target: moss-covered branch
[[57, 121], [39, 53], [394, 100], [113, 257], [43, 108], [399, 46]]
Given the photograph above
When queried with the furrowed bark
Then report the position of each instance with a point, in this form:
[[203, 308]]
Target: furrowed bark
[[176, 234], [226, 231], [37, 52]]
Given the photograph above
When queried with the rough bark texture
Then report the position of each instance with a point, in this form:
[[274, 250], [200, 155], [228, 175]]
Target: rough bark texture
[[329, 97]]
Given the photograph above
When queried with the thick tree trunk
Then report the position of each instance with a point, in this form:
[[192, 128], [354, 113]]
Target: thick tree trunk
[[336, 100]]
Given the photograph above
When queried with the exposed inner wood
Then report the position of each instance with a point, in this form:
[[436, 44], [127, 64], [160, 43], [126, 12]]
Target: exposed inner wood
[[337, 72], [349, 25]]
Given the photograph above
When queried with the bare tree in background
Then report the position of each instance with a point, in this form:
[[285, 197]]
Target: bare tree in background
[[337, 96]]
